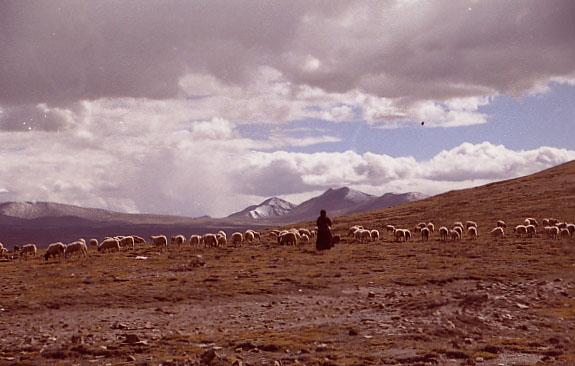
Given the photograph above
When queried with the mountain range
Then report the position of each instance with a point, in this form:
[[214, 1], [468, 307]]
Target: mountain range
[[337, 202], [46, 222]]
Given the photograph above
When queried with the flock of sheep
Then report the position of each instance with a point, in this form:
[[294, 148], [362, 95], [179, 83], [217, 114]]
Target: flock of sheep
[[552, 229]]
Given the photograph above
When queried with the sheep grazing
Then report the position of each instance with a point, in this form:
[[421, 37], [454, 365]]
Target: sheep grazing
[[501, 223], [353, 229], [305, 238], [160, 241], [55, 249], [374, 235], [76, 247], [210, 240], [472, 232], [571, 229], [390, 229], [179, 240], [431, 227], [28, 249], [363, 235], [222, 233], [561, 225], [237, 238], [469, 224], [109, 244], [288, 238], [399, 234], [459, 229], [551, 232], [459, 223], [249, 236], [425, 234], [443, 233], [127, 242], [564, 234], [545, 222], [195, 240], [407, 234], [497, 232], [305, 231], [531, 231], [454, 234], [94, 243], [520, 230], [553, 221], [222, 240], [531, 221]]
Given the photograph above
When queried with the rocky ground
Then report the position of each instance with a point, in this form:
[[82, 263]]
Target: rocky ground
[[485, 302]]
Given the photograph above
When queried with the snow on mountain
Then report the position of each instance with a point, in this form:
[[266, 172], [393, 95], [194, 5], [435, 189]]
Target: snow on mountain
[[272, 207]]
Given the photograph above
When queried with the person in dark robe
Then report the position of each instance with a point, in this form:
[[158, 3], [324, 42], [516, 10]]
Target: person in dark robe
[[324, 239]]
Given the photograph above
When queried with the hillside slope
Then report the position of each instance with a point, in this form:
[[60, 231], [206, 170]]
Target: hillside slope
[[549, 193]]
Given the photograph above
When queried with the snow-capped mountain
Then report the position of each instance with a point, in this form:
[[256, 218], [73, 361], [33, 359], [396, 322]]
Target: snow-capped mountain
[[272, 207]]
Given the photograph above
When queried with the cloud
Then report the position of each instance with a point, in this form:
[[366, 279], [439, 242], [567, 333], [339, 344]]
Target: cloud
[[375, 61]]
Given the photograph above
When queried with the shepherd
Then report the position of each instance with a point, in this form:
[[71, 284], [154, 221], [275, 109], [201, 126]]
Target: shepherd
[[324, 238]]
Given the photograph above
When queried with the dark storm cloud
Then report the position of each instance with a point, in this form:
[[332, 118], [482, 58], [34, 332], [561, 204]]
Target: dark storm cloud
[[58, 52]]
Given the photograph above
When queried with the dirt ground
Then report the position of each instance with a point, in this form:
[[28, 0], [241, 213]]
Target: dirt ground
[[507, 301]]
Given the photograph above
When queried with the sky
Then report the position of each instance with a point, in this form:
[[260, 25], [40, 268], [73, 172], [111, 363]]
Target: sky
[[206, 107]]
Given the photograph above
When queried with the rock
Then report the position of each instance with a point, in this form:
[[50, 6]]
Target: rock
[[208, 356], [131, 358], [132, 338], [76, 339], [353, 332], [371, 295]]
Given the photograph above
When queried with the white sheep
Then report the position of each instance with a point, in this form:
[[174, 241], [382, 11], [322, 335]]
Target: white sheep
[[138, 239], [362, 234], [28, 249], [399, 234], [564, 234], [531, 231], [497, 232], [472, 232], [195, 240], [531, 221], [459, 223], [390, 229], [459, 229], [249, 236], [443, 233], [127, 242], [179, 240], [160, 241], [210, 240], [94, 243], [305, 231], [501, 223], [76, 247], [561, 225], [553, 221], [431, 227], [353, 229], [374, 235], [222, 233], [237, 238], [407, 234], [222, 240], [288, 238], [425, 234], [552, 231], [110, 244], [469, 224], [520, 230], [545, 222], [55, 249], [305, 238], [571, 229], [454, 234]]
